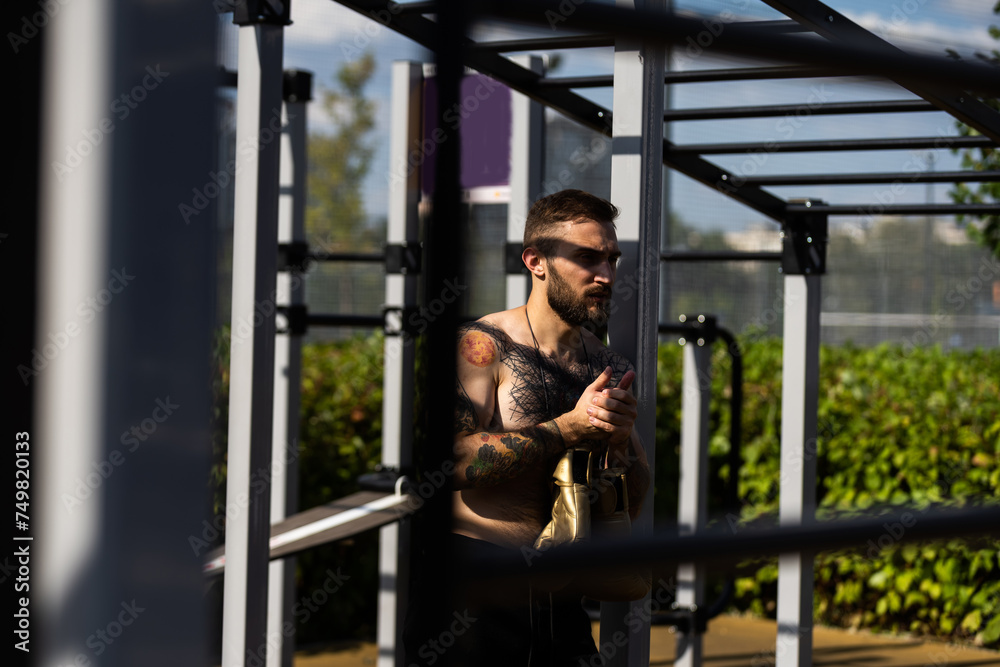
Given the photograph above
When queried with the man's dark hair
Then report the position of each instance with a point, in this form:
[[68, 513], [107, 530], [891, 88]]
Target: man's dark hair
[[563, 206]]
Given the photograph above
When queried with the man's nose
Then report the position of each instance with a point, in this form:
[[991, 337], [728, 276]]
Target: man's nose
[[605, 273]]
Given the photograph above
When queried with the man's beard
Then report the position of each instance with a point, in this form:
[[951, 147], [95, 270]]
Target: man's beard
[[577, 310]]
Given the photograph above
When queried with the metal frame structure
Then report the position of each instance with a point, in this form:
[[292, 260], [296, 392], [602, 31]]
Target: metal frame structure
[[156, 338], [803, 222], [638, 145]]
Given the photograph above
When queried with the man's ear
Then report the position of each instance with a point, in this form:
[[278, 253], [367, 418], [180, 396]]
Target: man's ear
[[534, 261]]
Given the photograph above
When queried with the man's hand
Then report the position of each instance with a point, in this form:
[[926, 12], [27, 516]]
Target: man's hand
[[601, 413]]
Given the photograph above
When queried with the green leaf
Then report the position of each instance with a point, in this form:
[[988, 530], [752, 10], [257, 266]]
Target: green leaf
[[972, 621], [992, 631]]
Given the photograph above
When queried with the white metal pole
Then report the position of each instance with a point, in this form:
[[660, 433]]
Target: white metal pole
[[400, 353], [287, 377], [255, 239], [527, 153], [692, 510], [799, 396], [636, 188]]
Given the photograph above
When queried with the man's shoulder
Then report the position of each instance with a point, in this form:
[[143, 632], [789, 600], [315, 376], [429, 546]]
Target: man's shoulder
[[494, 325], [485, 340]]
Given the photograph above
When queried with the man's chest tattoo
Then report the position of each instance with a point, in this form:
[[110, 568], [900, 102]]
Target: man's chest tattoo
[[540, 389]]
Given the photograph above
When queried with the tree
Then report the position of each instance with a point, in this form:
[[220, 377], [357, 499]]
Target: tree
[[339, 163], [982, 159]]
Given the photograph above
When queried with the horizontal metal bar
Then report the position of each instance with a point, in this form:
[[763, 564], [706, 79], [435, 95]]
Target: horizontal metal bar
[[598, 81], [748, 74], [374, 257], [544, 43], [855, 179], [666, 27], [728, 547], [897, 209], [903, 143], [802, 109], [719, 256], [697, 76], [345, 320], [839, 29], [416, 7], [783, 26]]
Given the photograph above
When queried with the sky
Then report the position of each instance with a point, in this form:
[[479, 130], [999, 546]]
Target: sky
[[325, 35]]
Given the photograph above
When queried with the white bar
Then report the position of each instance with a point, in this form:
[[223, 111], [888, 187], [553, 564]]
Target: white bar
[[398, 380], [527, 151], [692, 509], [287, 385], [797, 505], [244, 619], [339, 519]]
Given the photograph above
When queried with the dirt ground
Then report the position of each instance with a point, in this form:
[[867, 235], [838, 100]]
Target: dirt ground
[[733, 641]]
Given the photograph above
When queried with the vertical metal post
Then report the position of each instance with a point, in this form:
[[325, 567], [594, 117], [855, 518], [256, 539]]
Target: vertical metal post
[[400, 353], [692, 510], [527, 151], [255, 250], [288, 366], [119, 447], [636, 188], [803, 263], [445, 249]]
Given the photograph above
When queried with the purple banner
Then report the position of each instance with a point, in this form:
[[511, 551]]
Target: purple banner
[[483, 120]]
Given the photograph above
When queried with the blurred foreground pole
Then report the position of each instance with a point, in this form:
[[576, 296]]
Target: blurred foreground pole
[[636, 189], [126, 313], [445, 264]]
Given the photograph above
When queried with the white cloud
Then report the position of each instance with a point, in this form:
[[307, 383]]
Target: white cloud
[[324, 23], [906, 32]]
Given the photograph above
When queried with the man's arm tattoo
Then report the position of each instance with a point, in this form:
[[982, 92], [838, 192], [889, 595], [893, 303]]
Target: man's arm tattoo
[[466, 420], [503, 456]]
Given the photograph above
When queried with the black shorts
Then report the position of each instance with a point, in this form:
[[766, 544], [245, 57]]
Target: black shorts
[[505, 623]]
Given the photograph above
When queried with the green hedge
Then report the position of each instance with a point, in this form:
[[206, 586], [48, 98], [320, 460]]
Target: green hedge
[[901, 431], [915, 427]]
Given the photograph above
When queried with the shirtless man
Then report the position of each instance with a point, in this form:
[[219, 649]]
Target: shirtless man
[[532, 382]]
